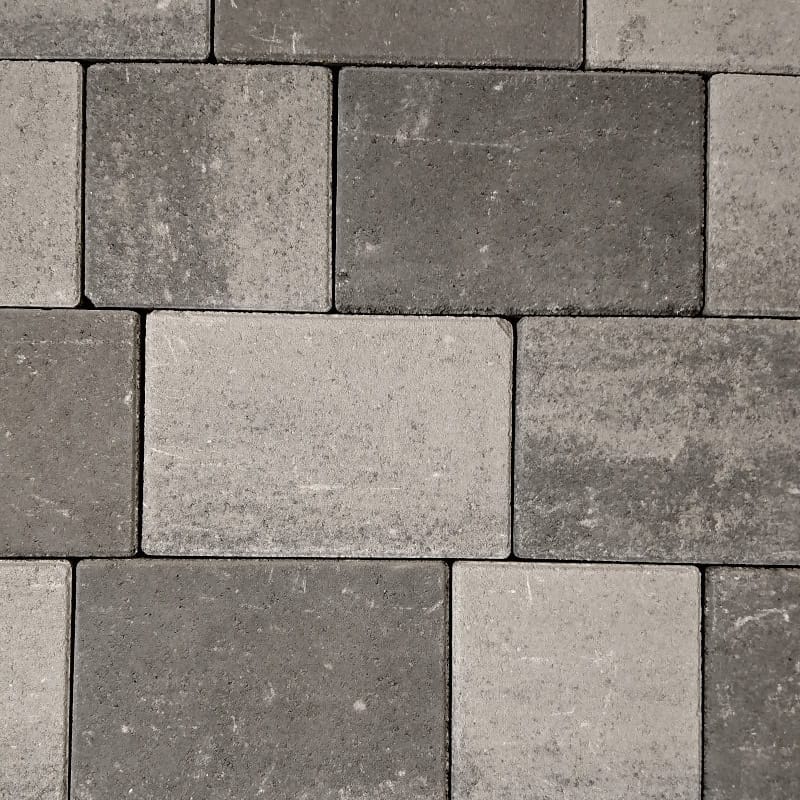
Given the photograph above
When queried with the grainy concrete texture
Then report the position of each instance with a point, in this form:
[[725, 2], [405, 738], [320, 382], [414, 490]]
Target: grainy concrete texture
[[97, 29], [35, 619], [752, 684], [40, 183], [712, 36], [324, 435], [517, 192], [68, 432], [209, 186], [282, 679], [541, 33], [575, 681], [754, 195], [658, 440]]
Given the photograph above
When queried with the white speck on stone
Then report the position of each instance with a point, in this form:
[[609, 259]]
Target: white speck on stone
[[359, 706]]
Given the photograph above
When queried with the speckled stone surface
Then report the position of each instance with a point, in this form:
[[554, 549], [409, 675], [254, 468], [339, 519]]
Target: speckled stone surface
[[517, 192], [234, 679], [541, 33], [713, 36], [658, 440], [208, 186], [40, 165], [754, 196], [68, 432], [97, 29], [575, 681], [35, 603], [752, 684], [327, 435]]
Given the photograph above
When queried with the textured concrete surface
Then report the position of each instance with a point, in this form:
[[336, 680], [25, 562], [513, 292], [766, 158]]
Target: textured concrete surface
[[324, 435], [675, 440], [575, 681], [208, 187], [490, 191], [713, 36], [97, 29], [542, 33], [752, 684], [233, 679], [40, 165], [68, 432], [35, 599], [753, 196]]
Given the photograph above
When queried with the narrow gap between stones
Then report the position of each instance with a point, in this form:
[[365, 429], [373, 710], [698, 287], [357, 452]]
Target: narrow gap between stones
[[707, 82], [334, 179], [702, 681], [71, 673], [139, 482]]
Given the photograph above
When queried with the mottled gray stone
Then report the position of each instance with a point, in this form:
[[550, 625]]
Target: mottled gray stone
[[35, 618], [658, 440], [754, 195], [68, 432], [542, 33], [324, 435], [40, 187], [752, 684], [98, 29], [209, 186], [247, 679], [714, 36], [519, 192], [575, 681]]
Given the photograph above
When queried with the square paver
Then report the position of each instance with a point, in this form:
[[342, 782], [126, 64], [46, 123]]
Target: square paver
[[326, 435], [753, 196], [575, 681], [69, 399], [209, 187], [40, 188], [283, 679], [36, 601], [658, 440], [477, 191], [752, 684]]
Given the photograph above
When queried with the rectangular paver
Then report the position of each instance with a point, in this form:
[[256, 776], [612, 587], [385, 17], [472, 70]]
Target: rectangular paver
[[209, 187], [284, 679], [542, 33], [68, 432], [35, 620], [326, 435], [575, 681], [752, 684], [753, 196], [658, 440], [40, 183], [489, 191]]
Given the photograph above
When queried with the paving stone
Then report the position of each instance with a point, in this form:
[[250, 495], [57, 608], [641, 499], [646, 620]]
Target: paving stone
[[220, 678], [209, 186], [575, 681], [658, 440], [752, 684], [544, 33], [753, 196], [96, 29], [68, 427], [713, 36], [40, 164], [489, 191], [324, 435], [34, 676]]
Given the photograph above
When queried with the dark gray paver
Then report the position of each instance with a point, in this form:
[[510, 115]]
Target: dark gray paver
[[542, 33], [752, 684], [233, 679], [68, 432], [517, 192], [658, 440], [208, 186]]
